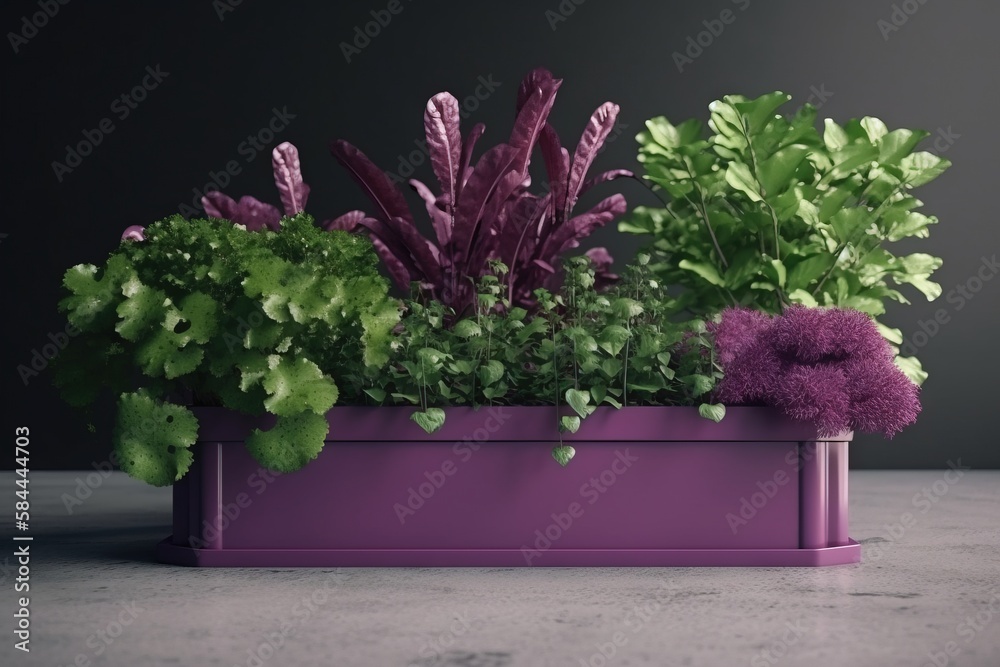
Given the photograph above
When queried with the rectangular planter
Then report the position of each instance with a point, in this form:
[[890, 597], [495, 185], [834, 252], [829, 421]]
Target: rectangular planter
[[649, 486]]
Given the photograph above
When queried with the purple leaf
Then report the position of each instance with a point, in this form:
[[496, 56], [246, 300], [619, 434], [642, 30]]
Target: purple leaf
[[248, 211], [134, 233], [397, 271], [544, 266], [604, 178], [602, 261], [440, 220], [556, 165], [387, 198], [531, 118], [444, 143], [288, 177], [597, 130], [218, 205], [403, 240], [568, 234], [348, 222], [536, 78], [485, 179], [467, 147]]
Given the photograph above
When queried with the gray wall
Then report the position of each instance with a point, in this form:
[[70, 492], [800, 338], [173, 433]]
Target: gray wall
[[227, 73]]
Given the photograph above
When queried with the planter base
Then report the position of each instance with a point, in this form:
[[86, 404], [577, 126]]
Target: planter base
[[168, 552]]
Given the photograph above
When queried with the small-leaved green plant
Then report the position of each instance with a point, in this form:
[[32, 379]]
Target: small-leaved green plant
[[767, 212], [583, 348]]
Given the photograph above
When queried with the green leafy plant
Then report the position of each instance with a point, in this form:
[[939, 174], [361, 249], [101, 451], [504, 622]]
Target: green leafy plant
[[582, 349], [207, 312], [767, 212]]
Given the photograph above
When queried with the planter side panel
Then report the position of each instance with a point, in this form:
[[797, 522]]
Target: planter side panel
[[512, 495]]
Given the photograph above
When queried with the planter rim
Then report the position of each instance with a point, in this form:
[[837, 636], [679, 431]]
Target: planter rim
[[532, 424]]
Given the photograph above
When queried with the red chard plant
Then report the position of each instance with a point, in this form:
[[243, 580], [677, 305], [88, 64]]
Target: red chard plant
[[485, 212]]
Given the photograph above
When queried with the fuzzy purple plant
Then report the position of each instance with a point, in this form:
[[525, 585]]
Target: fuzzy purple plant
[[828, 366], [485, 210]]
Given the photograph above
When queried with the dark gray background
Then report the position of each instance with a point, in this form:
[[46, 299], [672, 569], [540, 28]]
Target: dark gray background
[[225, 77]]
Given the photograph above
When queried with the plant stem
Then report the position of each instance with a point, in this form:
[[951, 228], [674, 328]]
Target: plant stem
[[844, 244], [756, 175]]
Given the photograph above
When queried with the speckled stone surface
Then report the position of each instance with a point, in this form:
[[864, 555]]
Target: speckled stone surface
[[928, 592]]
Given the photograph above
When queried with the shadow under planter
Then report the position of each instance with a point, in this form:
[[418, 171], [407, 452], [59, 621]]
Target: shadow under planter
[[649, 486]]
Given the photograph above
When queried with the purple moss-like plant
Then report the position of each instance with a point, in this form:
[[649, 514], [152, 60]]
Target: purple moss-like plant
[[485, 211], [827, 366], [255, 214]]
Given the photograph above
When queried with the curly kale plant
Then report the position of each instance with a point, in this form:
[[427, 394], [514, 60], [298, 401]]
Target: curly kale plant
[[256, 322], [766, 212], [581, 349]]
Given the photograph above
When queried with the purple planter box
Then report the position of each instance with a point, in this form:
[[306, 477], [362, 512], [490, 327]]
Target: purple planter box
[[650, 486]]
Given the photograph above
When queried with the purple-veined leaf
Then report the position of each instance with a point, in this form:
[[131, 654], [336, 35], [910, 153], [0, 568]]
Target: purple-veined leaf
[[404, 241], [248, 211], [535, 79], [602, 262], [348, 222], [604, 177], [444, 143], [288, 177], [556, 165], [531, 118], [396, 269], [134, 233], [467, 147], [598, 128], [440, 220], [570, 232], [387, 198], [544, 266], [485, 179]]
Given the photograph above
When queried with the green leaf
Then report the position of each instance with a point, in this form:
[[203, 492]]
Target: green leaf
[[291, 443], [852, 156], [580, 401], [912, 369], [705, 270], [612, 339], [803, 297], [142, 309], [808, 270], [490, 372], [570, 423], [897, 144], [922, 168], [378, 395], [153, 439], [780, 275], [699, 384], [761, 111], [713, 411], [467, 329], [928, 288], [875, 128], [296, 386], [776, 171], [848, 224], [430, 419], [890, 334], [563, 454], [738, 175], [834, 136]]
